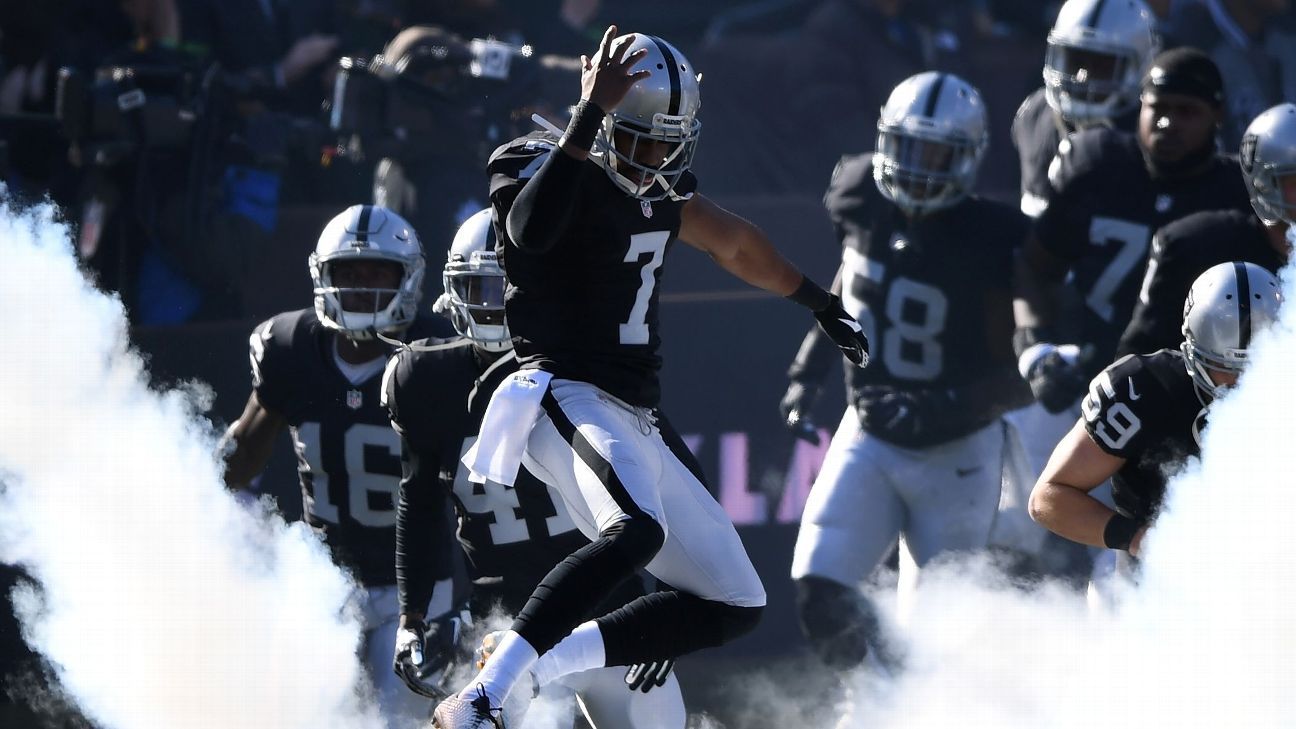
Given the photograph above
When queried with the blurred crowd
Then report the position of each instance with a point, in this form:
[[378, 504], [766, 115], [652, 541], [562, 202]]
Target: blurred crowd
[[174, 133]]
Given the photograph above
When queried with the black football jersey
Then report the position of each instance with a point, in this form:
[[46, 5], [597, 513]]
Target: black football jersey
[[1144, 409], [587, 309], [348, 457], [1036, 132], [1181, 252], [927, 291], [1104, 207], [512, 535]]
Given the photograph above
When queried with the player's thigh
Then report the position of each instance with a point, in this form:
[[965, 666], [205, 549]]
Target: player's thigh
[[609, 704], [702, 554], [853, 514], [597, 452], [952, 493]]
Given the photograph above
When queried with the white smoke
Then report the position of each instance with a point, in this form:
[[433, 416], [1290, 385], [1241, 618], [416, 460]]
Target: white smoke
[[1205, 640], [163, 603]]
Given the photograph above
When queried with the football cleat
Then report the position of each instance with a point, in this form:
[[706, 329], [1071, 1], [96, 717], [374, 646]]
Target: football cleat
[[457, 712]]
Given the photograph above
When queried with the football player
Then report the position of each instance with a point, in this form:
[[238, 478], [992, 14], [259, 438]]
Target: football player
[[584, 223], [1108, 192], [1144, 414], [926, 270], [317, 371], [1185, 248], [1097, 53], [436, 392]]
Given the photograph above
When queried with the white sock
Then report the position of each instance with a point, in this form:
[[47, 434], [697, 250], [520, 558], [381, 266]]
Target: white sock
[[580, 651], [511, 660]]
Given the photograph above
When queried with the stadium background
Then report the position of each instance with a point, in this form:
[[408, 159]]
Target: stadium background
[[787, 89]]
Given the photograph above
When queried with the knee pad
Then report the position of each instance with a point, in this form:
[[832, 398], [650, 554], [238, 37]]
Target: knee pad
[[636, 539], [837, 620]]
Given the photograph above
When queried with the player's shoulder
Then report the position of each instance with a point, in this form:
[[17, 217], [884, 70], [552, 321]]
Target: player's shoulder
[[425, 361], [1145, 381], [517, 154], [415, 374], [1100, 153], [286, 332], [282, 349], [852, 183], [1205, 228]]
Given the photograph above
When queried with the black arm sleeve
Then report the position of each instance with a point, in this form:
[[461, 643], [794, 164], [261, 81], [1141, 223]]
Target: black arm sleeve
[[424, 545], [540, 215]]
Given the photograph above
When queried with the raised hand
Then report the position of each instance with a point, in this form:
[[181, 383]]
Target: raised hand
[[606, 78]]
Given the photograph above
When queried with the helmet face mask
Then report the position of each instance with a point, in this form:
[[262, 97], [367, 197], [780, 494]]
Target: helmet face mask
[[1096, 57], [1267, 155], [475, 285], [932, 135], [1226, 307], [649, 139], [366, 234]]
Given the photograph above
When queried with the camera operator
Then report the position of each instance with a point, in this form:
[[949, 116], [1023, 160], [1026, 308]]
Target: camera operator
[[427, 113]]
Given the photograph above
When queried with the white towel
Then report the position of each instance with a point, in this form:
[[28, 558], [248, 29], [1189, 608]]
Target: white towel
[[512, 412]]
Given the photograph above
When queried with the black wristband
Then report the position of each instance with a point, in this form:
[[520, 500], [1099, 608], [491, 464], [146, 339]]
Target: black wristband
[[810, 295], [586, 120], [1120, 531]]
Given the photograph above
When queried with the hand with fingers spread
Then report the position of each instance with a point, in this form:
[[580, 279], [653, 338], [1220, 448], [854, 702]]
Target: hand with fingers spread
[[606, 78], [645, 677]]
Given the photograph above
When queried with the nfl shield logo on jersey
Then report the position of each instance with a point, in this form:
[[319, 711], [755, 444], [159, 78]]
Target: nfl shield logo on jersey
[[354, 399], [646, 207]]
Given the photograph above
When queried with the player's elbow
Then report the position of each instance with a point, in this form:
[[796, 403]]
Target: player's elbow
[[1040, 505]]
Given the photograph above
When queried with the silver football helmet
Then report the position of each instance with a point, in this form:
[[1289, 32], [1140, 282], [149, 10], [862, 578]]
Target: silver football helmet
[[1226, 306], [474, 285], [932, 135], [1268, 154], [660, 108], [1098, 51], [367, 232]]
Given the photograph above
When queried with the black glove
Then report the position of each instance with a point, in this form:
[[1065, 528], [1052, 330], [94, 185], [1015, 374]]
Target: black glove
[[906, 417], [844, 331], [795, 408], [644, 676], [1056, 382], [426, 653]]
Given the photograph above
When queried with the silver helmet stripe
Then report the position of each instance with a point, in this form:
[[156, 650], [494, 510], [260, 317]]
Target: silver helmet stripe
[[672, 70], [1243, 303]]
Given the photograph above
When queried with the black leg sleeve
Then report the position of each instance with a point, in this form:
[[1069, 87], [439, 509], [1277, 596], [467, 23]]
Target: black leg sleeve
[[575, 585], [670, 624], [837, 620]]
